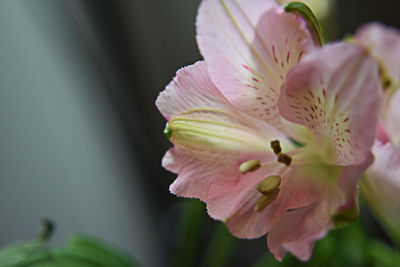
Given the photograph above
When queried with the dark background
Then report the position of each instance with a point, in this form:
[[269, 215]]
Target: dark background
[[81, 140]]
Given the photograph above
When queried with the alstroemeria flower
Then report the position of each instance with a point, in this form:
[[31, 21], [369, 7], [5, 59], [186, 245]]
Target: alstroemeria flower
[[223, 156], [381, 185]]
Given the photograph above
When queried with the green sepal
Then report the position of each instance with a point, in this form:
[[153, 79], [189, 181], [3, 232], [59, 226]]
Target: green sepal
[[305, 12]]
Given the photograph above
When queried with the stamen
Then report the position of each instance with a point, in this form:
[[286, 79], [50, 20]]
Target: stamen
[[269, 185], [249, 166], [265, 200], [276, 146], [284, 158]]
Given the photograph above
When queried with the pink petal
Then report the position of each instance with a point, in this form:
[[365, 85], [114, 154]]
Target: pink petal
[[386, 168], [249, 46], [299, 229], [195, 174], [381, 132], [208, 133], [226, 196], [190, 89], [334, 91], [381, 185], [392, 121], [384, 43], [245, 222], [297, 232], [348, 183]]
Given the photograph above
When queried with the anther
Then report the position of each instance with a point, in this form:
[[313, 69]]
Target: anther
[[276, 146], [249, 166], [268, 185], [265, 200], [285, 159]]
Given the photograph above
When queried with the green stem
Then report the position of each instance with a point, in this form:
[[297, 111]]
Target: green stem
[[220, 248]]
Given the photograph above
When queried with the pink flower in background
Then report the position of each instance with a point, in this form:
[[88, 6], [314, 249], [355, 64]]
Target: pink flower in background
[[381, 185], [384, 44], [229, 117]]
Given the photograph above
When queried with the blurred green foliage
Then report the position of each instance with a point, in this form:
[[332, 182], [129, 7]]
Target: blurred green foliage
[[190, 227], [350, 245], [78, 251], [346, 246]]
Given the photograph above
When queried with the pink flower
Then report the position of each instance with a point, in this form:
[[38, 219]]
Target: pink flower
[[251, 92], [381, 185]]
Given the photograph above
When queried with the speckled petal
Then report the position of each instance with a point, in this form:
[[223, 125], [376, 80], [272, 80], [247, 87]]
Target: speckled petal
[[334, 91]]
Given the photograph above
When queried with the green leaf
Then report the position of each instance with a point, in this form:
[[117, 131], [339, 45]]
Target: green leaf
[[384, 255], [79, 251], [17, 252], [305, 12], [92, 251]]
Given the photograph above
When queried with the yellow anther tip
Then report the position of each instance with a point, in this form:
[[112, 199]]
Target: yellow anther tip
[[249, 166], [269, 185], [265, 200]]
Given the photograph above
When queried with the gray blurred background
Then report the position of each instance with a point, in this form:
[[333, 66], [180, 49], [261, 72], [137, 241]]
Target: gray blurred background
[[80, 138]]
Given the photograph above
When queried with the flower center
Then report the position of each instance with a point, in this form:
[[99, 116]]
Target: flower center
[[282, 157], [269, 188]]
